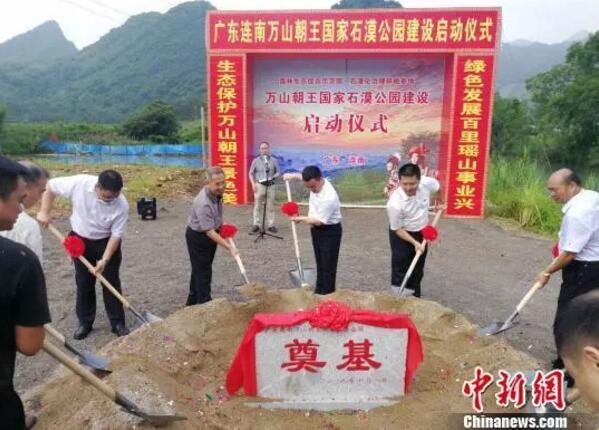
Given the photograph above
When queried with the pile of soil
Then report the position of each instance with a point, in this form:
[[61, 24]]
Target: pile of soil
[[179, 366]]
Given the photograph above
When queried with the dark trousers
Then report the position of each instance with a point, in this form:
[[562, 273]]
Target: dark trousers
[[12, 415], [326, 241], [201, 254], [86, 283], [402, 254], [578, 277]]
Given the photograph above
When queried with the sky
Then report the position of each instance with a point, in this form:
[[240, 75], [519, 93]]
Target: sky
[[85, 21]]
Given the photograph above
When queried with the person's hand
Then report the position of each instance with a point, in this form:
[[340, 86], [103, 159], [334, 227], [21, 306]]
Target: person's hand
[[44, 219], [254, 187], [233, 251], [419, 247], [290, 176], [100, 266], [297, 219], [543, 278]]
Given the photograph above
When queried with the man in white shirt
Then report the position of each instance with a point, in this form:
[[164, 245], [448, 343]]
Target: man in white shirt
[[407, 210], [578, 241], [263, 172], [26, 230], [99, 217], [324, 218]]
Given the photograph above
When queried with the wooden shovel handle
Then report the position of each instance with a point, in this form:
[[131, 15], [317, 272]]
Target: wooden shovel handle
[[537, 286], [89, 266], [54, 333], [80, 370], [237, 257], [293, 228]]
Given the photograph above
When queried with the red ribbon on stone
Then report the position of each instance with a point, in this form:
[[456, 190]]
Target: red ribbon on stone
[[290, 208], [430, 233], [227, 231], [331, 315], [74, 246]]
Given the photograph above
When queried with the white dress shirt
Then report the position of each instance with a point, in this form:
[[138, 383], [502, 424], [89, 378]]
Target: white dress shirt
[[411, 212], [579, 232], [324, 205], [27, 231], [92, 218]]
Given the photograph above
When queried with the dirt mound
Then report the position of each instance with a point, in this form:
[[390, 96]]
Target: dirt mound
[[179, 365]]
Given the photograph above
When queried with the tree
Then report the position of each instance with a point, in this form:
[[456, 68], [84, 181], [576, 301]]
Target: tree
[[512, 127], [366, 4], [566, 102], [2, 116], [156, 122]]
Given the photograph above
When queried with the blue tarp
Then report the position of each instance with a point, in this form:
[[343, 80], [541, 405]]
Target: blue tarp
[[139, 150]]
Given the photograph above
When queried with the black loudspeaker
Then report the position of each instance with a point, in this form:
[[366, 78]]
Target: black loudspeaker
[[146, 208]]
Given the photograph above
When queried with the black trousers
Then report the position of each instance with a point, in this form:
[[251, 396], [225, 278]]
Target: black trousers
[[402, 254], [12, 415], [86, 282], [326, 241], [578, 277], [201, 254]]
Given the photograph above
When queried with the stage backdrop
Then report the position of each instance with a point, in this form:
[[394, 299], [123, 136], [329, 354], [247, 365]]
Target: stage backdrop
[[348, 90]]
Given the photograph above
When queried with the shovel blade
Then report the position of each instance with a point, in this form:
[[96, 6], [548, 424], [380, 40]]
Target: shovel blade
[[495, 328], [161, 420], [150, 318], [308, 280], [97, 363]]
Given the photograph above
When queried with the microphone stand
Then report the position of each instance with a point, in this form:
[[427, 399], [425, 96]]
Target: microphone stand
[[268, 183]]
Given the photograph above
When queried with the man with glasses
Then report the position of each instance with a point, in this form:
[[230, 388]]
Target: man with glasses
[[99, 216]]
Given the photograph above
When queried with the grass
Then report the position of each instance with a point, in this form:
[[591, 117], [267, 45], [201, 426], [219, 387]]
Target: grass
[[517, 190]]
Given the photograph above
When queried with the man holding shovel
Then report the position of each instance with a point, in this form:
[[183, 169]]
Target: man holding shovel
[[23, 299], [324, 218], [99, 217], [202, 235], [407, 210], [578, 258]]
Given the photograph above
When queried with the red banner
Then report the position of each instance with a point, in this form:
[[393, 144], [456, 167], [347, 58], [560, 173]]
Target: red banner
[[470, 137], [447, 29], [227, 123]]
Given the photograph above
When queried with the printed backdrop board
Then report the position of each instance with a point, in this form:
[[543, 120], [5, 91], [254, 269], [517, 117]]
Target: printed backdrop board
[[347, 89]]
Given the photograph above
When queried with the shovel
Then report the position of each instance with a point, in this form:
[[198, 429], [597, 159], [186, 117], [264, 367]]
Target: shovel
[[498, 327], [95, 362], [300, 277], [144, 318], [239, 262], [417, 256], [155, 419]]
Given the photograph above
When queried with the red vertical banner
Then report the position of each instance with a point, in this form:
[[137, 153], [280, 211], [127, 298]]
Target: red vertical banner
[[471, 135], [227, 123]]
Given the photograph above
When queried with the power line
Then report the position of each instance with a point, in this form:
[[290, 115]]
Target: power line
[[93, 12], [102, 4]]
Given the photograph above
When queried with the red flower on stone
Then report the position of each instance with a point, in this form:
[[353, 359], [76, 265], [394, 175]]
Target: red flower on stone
[[331, 315], [228, 230], [290, 208], [74, 246], [430, 233]]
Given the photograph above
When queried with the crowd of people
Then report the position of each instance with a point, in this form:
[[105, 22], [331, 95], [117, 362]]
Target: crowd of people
[[100, 214]]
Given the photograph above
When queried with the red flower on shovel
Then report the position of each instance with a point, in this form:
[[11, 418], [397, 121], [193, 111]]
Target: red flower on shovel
[[228, 230], [290, 208], [555, 250], [74, 246], [430, 233]]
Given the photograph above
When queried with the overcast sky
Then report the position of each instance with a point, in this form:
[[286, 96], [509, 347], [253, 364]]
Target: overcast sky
[[85, 21]]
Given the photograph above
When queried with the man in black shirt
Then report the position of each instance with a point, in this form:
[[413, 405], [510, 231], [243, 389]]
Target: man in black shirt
[[23, 300]]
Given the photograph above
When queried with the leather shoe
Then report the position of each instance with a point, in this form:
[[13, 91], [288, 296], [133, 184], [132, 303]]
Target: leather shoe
[[81, 332], [273, 229], [254, 229], [120, 330]]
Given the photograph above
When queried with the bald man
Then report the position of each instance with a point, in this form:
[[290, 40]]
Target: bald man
[[578, 241]]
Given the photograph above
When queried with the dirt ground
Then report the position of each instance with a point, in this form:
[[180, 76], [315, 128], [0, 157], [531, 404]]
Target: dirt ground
[[476, 268]]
